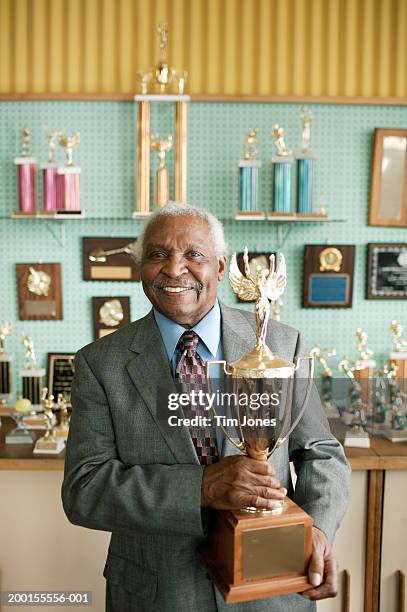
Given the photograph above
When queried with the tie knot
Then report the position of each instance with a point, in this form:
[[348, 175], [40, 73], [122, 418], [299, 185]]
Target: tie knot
[[188, 342]]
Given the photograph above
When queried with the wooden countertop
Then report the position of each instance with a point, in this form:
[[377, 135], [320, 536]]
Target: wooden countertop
[[382, 454]]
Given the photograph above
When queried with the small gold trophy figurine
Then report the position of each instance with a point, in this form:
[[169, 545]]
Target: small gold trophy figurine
[[306, 129], [49, 444], [251, 143], [254, 553], [277, 133], [32, 376], [62, 430], [6, 360], [69, 143], [51, 138], [163, 74], [162, 180]]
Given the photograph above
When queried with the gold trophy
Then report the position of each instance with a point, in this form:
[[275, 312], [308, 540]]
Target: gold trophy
[[20, 435], [62, 430], [49, 444], [354, 416], [364, 366], [68, 178], [331, 410], [254, 553], [162, 179], [6, 359], [399, 356]]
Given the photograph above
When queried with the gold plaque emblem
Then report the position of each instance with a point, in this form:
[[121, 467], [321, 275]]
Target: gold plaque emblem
[[330, 260]]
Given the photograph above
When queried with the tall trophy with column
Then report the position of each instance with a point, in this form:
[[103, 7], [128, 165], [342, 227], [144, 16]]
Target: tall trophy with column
[[254, 553], [331, 410], [364, 367], [282, 165], [49, 176], [398, 357], [32, 376], [68, 178], [27, 178], [248, 169], [6, 360], [305, 168]]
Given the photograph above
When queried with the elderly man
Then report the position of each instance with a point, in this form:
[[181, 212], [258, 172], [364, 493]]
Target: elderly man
[[153, 489]]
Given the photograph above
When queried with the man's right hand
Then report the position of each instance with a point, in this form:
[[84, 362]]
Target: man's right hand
[[236, 482]]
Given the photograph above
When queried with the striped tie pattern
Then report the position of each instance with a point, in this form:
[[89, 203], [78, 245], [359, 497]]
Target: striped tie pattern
[[190, 374]]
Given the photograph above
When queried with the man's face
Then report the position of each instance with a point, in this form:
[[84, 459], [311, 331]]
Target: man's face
[[179, 270]]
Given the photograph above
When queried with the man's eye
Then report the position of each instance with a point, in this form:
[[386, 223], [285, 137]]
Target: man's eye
[[194, 254], [156, 255]]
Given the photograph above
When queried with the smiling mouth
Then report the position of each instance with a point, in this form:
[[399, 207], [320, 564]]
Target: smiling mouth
[[176, 289]]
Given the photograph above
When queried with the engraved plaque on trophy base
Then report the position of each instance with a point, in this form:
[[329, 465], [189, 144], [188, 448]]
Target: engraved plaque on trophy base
[[49, 447], [252, 556]]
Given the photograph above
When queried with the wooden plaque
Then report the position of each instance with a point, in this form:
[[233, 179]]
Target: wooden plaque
[[328, 276], [39, 291], [255, 556], [109, 314], [112, 267]]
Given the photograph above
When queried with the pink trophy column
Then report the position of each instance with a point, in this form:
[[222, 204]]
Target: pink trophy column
[[27, 179], [68, 179]]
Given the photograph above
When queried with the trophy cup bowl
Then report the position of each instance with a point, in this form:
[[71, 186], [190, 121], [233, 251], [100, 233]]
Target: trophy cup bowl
[[253, 553]]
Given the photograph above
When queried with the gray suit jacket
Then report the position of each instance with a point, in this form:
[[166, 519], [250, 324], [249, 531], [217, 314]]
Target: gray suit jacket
[[129, 473]]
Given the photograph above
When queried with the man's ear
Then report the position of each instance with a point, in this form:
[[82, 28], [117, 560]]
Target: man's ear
[[221, 268]]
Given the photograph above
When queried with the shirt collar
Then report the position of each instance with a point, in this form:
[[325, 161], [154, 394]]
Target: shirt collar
[[208, 330]]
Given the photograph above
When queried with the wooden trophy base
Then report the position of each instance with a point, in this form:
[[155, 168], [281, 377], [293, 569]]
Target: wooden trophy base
[[252, 556]]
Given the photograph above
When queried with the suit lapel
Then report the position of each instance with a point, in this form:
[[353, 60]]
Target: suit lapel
[[150, 372]]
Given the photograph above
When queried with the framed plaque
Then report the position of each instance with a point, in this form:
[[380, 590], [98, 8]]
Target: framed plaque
[[387, 271], [110, 259], [256, 260], [39, 291], [109, 314], [328, 276], [60, 373]]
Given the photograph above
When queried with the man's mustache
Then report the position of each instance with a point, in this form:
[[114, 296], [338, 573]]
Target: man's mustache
[[162, 283]]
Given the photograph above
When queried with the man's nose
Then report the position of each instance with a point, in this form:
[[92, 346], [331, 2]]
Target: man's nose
[[175, 266]]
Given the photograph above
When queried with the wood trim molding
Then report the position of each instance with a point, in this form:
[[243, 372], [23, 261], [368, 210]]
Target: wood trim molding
[[402, 591], [374, 510], [125, 97], [346, 591]]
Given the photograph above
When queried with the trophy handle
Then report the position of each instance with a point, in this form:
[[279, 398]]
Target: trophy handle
[[306, 397], [240, 446]]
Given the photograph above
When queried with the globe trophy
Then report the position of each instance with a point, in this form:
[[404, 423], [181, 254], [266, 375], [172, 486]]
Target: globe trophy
[[254, 553]]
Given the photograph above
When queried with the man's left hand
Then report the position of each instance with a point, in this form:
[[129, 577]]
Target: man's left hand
[[322, 569]]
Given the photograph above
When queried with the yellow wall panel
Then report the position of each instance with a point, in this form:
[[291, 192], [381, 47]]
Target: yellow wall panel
[[231, 47]]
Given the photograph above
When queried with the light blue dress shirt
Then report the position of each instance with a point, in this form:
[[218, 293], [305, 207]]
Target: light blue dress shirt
[[209, 330]]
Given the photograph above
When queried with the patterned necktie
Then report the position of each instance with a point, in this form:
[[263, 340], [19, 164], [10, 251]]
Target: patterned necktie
[[190, 373]]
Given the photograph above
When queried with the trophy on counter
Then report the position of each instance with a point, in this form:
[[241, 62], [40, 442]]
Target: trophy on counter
[[355, 414], [49, 176], [282, 173], [162, 178], [6, 360], [20, 435], [331, 410], [249, 169], [254, 553], [305, 168], [68, 178], [399, 356], [62, 429], [364, 366], [32, 376], [394, 424], [49, 444], [27, 178]]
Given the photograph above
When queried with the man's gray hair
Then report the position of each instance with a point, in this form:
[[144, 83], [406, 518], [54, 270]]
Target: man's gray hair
[[176, 209]]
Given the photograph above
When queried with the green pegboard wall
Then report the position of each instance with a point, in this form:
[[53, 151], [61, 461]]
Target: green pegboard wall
[[342, 139]]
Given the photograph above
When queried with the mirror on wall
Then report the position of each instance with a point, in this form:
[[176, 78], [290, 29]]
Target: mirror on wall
[[388, 192]]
